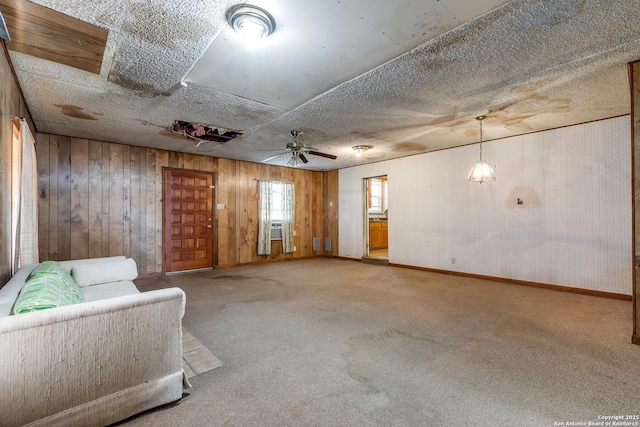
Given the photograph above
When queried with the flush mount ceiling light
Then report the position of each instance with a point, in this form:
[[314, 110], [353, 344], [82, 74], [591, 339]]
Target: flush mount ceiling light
[[251, 22], [359, 149], [481, 171]]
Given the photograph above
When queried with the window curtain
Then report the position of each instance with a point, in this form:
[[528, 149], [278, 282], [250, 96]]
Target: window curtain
[[264, 217], [288, 216], [25, 218], [265, 207]]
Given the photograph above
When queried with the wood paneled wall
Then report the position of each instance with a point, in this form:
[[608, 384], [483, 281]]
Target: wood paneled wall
[[102, 199], [11, 104]]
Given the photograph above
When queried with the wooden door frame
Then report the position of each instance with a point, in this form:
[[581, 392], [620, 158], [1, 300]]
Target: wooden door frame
[[214, 246], [366, 198], [365, 218], [633, 69]]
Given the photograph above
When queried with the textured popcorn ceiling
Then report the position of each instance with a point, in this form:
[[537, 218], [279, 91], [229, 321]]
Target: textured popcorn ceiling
[[528, 65]]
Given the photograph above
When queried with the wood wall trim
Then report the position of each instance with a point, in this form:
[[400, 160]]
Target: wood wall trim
[[601, 294], [569, 289], [630, 68], [269, 261], [634, 87], [149, 276]]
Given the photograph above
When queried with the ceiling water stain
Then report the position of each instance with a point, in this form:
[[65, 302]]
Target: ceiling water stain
[[144, 90], [74, 111], [449, 120], [310, 133], [563, 105], [536, 104], [408, 147], [515, 123], [547, 13], [362, 135], [373, 156], [248, 112], [472, 133], [501, 107], [531, 89], [148, 123], [530, 100]]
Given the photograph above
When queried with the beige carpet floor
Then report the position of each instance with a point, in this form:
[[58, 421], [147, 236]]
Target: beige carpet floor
[[326, 342]]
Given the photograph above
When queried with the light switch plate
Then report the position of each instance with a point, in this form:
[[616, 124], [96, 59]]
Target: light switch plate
[[220, 206]]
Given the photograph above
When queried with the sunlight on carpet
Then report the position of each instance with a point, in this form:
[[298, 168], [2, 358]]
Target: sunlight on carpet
[[196, 358]]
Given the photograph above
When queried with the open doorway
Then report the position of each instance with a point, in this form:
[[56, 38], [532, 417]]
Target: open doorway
[[376, 215]]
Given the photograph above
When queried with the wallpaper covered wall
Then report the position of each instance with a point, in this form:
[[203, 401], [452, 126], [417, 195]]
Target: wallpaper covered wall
[[573, 228]]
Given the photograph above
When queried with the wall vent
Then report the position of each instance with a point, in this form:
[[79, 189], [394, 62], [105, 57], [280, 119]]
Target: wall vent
[[327, 244]]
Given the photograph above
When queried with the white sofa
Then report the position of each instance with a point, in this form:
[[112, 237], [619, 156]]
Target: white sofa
[[115, 354]]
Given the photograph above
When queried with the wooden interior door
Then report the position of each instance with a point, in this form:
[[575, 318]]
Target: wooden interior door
[[188, 220]]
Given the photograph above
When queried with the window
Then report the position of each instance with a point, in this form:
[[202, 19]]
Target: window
[[375, 190], [276, 202], [377, 195], [276, 215], [276, 211]]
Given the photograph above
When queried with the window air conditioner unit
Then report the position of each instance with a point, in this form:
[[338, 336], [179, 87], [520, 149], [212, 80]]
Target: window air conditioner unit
[[276, 231]]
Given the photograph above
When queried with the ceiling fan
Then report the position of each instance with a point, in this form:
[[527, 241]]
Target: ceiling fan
[[298, 150]]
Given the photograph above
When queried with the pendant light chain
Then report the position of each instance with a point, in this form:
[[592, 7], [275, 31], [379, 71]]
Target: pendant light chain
[[481, 139]]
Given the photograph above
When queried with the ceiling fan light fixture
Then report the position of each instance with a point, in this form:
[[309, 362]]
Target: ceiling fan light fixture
[[359, 149], [294, 161], [481, 171], [251, 22]]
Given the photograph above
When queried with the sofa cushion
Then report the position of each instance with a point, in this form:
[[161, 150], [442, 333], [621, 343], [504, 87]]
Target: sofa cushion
[[69, 264], [88, 274], [49, 285], [108, 290]]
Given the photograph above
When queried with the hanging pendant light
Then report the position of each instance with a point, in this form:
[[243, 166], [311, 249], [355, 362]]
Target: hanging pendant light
[[481, 171]]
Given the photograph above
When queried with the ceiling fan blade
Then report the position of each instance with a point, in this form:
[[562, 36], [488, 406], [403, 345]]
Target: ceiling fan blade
[[325, 155], [303, 158], [273, 157], [307, 149]]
